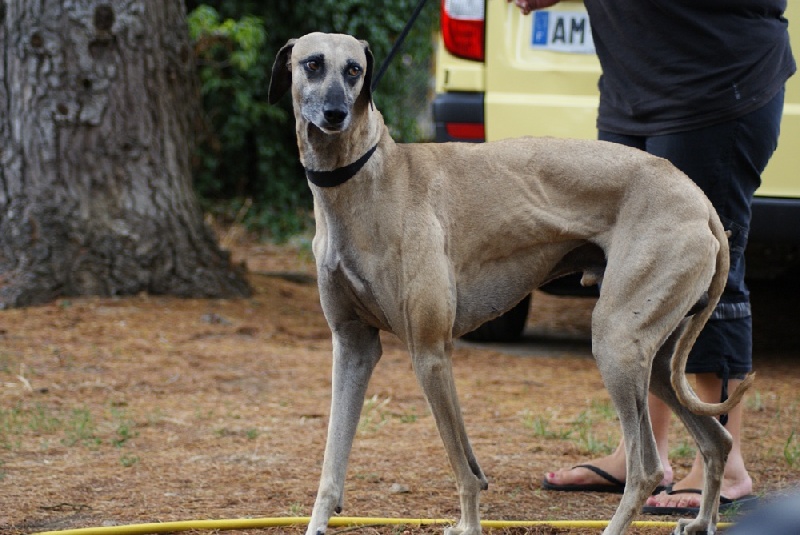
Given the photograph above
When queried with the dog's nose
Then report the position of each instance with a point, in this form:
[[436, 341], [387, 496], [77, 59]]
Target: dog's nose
[[335, 115]]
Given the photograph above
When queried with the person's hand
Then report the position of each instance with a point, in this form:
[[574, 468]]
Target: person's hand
[[526, 6]]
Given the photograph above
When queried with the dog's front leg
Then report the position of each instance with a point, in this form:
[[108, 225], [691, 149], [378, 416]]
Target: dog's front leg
[[433, 368], [356, 351]]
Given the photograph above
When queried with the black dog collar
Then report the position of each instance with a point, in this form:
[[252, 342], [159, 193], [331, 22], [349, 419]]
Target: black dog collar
[[336, 177]]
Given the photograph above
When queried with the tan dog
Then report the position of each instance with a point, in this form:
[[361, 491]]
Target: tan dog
[[428, 241]]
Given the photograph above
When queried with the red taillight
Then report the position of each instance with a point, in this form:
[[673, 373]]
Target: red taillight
[[466, 131], [463, 28]]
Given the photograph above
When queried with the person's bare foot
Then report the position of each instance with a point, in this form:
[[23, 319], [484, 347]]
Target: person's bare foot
[[581, 476], [736, 484]]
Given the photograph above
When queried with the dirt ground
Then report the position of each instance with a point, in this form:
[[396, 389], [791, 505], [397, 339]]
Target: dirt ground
[[153, 409]]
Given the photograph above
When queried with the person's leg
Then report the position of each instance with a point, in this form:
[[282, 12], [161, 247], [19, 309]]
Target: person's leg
[[731, 339], [736, 481], [659, 419]]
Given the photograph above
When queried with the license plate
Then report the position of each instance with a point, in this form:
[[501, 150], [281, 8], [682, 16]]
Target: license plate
[[562, 31]]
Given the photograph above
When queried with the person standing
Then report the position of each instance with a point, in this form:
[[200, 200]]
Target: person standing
[[700, 83]]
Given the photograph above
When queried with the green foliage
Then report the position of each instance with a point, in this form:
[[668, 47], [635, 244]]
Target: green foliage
[[237, 152], [80, 428], [791, 450], [246, 148], [125, 429], [374, 414]]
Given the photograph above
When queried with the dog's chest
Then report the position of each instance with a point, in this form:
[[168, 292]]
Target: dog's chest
[[345, 289]]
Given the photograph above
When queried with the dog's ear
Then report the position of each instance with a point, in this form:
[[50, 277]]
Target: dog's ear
[[366, 90], [281, 79]]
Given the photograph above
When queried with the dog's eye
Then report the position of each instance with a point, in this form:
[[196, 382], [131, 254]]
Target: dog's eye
[[312, 65], [354, 71]]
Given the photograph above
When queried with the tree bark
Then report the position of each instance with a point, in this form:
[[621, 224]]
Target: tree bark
[[96, 106]]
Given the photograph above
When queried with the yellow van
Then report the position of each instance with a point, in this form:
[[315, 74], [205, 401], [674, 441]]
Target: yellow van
[[500, 74]]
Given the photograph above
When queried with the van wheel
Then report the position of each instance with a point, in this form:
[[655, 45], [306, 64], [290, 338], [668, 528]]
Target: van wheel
[[503, 329]]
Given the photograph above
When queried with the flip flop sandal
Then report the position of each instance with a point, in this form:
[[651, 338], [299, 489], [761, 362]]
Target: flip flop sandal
[[614, 485], [745, 502]]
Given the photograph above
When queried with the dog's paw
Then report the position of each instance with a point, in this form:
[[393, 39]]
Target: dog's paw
[[694, 527], [461, 530], [319, 530]]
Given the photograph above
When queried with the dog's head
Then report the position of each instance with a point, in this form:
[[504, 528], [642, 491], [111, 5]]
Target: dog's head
[[329, 75]]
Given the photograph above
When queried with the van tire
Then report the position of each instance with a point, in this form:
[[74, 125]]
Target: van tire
[[503, 329]]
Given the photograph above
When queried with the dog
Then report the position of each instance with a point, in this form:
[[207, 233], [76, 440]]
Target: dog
[[430, 240]]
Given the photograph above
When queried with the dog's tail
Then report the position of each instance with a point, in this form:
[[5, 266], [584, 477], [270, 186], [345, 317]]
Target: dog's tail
[[680, 383]]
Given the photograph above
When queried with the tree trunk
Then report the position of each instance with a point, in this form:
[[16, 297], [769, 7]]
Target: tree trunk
[[96, 106]]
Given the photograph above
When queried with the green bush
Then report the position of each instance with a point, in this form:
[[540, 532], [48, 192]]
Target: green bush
[[246, 149]]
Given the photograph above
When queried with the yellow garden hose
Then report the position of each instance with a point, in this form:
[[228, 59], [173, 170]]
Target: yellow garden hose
[[255, 523]]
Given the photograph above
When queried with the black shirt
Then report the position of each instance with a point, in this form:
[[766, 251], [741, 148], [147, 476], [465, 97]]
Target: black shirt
[[676, 65]]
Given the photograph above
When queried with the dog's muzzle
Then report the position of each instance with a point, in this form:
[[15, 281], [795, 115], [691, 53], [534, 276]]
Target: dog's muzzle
[[335, 110], [334, 116]]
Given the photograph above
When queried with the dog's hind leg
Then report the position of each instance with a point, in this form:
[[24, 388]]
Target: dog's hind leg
[[713, 442], [356, 351], [623, 348], [433, 368]]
